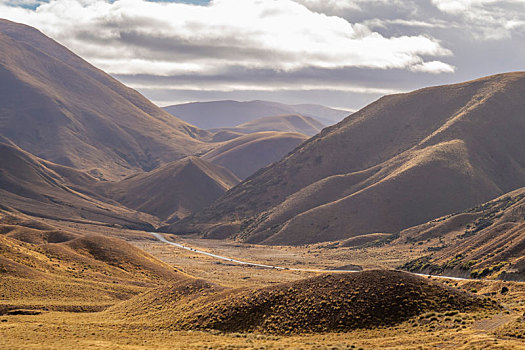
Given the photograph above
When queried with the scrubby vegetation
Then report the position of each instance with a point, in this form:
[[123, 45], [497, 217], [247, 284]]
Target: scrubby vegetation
[[328, 303]]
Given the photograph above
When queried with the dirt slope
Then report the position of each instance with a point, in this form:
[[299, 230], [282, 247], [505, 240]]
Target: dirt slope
[[399, 162], [62, 109], [325, 303], [485, 241], [174, 190]]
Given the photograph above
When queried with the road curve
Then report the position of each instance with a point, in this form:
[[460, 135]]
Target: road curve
[[161, 238]]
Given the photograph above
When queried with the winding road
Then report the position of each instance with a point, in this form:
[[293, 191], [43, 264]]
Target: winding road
[[161, 238]]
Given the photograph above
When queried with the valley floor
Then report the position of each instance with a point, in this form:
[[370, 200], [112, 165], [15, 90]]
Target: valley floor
[[99, 330]]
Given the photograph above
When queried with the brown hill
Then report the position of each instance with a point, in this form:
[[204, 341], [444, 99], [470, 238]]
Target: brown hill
[[30, 185], [325, 303], [45, 267], [285, 123], [399, 162], [245, 155], [57, 106], [174, 190], [485, 241]]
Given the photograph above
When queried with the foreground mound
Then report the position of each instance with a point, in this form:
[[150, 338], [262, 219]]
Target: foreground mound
[[321, 304]]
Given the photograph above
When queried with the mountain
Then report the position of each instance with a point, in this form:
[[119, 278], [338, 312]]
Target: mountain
[[58, 107], [285, 123], [399, 162], [485, 241], [246, 154], [174, 190], [222, 114], [35, 187]]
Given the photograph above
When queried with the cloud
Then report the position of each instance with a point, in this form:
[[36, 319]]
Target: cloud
[[129, 36], [433, 67], [486, 19]]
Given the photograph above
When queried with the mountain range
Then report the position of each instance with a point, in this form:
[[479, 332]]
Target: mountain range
[[227, 113], [399, 162]]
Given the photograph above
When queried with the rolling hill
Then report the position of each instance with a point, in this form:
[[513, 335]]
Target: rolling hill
[[246, 154], [224, 114], [60, 108], [174, 190], [285, 123], [44, 267], [399, 162], [485, 241]]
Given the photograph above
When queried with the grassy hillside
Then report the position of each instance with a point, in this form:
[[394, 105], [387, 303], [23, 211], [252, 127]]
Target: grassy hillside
[[42, 189], [246, 154], [485, 241], [399, 162], [174, 190], [44, 267], [60, 108]]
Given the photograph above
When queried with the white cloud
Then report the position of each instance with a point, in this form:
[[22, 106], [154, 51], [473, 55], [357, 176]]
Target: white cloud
[[486, 19], [137, 36], [433, 67]]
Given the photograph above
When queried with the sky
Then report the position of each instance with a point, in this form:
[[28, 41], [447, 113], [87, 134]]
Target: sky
[[339, 53]]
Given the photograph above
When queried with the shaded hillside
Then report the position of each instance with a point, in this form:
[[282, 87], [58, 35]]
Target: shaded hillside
[[60, 108], [325, 303], [45, 267], [286, 123], [31, 186], [223, 114], [174, 190], [399, 162], [245, 155], [485, 241]]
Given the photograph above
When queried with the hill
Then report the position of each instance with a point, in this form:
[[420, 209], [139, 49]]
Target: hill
[[42, 189], [44, 267], [246, 154], [174, 190], [224, 114], [326, 303], [285, 123], [62, 109], [485, 241], [399, 162]]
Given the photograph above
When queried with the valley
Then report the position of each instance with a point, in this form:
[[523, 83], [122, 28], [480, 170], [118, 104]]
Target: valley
[[257, 224]]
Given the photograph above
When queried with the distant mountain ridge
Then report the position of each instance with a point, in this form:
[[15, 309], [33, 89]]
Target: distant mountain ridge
[[401, 161], [228, 113], [284, 123]]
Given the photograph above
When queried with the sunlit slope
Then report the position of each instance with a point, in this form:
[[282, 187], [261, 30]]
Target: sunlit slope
[[399, 162], [485, 241]]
